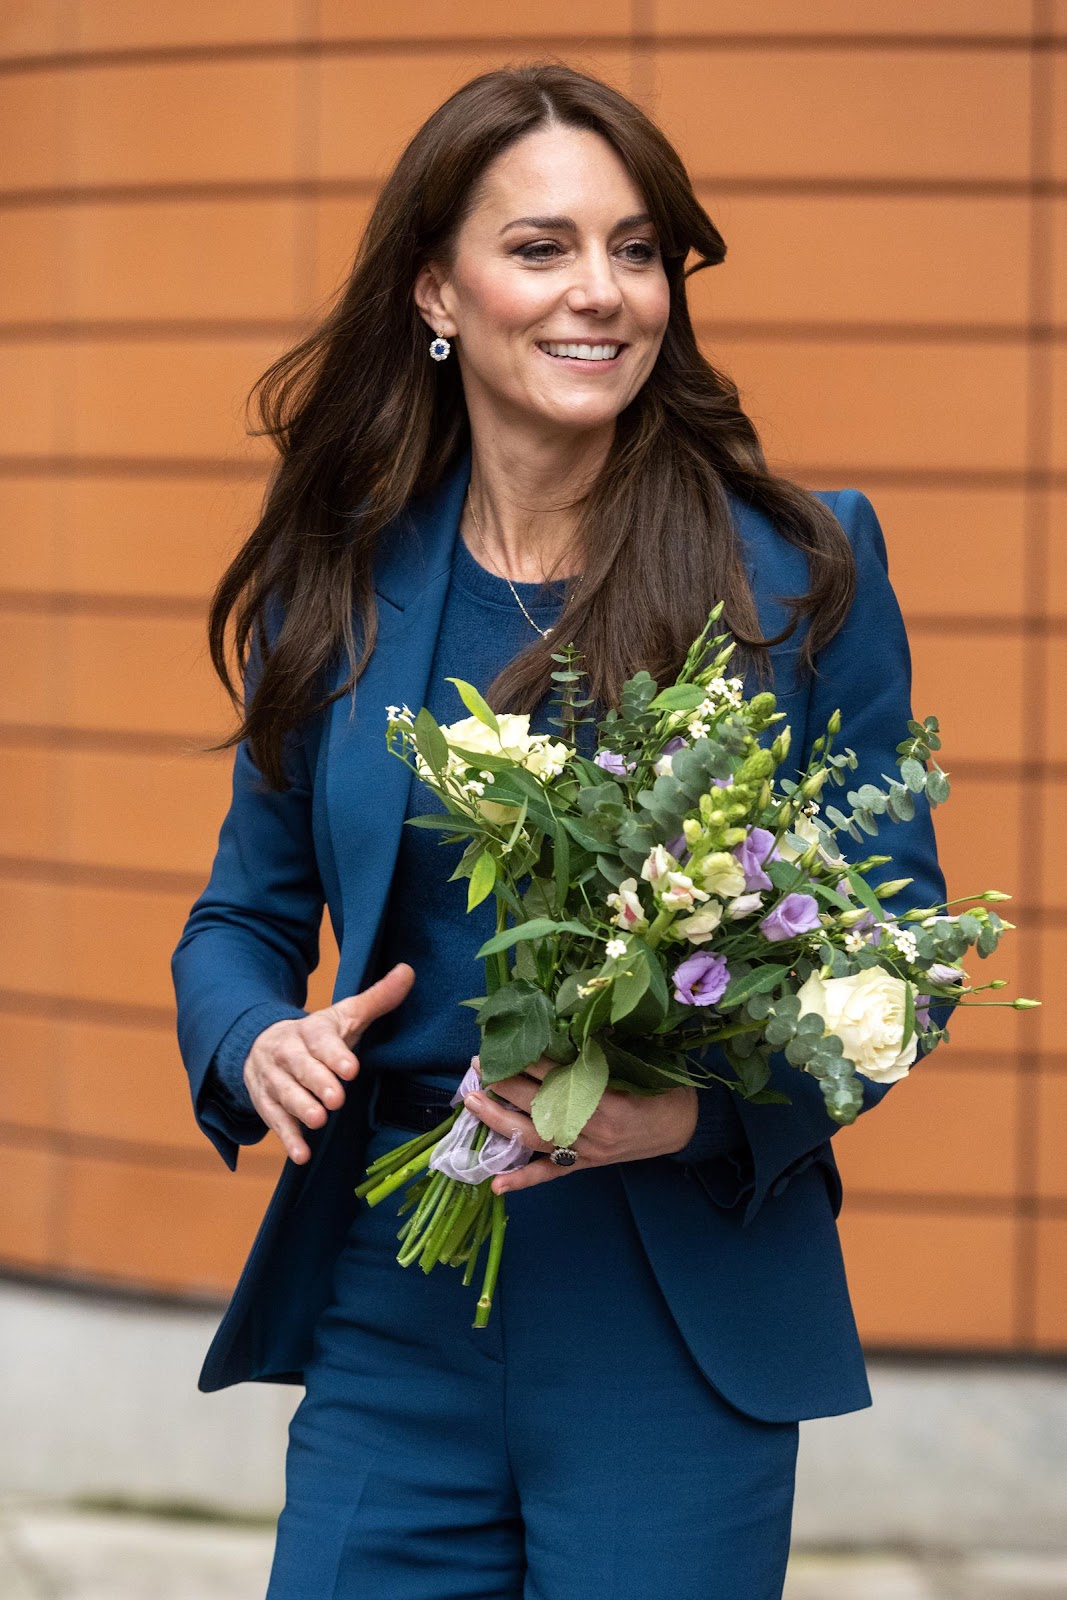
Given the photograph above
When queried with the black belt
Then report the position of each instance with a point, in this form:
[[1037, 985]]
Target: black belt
[[404, 1102]]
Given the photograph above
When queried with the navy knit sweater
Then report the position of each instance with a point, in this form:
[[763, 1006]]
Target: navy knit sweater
[[430, 1034]]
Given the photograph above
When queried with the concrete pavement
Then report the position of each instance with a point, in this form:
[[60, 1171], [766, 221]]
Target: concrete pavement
[[51, 1552]]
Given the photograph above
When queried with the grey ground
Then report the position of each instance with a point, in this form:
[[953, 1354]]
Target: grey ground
[[53, 1553]]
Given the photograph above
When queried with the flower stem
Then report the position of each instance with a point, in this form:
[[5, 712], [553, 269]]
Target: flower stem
[[379, 1188], [492, 1266]]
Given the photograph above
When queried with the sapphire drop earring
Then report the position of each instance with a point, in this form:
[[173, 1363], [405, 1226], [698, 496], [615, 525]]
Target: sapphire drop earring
[[440, 348]]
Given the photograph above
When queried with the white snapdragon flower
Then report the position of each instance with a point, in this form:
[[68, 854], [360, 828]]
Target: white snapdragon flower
[[743, 905], [656, 865], [680, 891], [629, 913], [699, 927], [722, 874]]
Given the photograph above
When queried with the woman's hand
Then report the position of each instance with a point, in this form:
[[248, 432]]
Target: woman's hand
[[624, 1127], [292, 1069]]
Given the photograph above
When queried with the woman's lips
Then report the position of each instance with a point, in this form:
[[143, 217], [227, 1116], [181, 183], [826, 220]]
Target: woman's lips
[[586, 361]]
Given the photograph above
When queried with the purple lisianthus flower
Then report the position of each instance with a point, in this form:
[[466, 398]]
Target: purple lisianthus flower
[[612, 762], [751, 853], [678, 848], [922, 1011], [796, 914], [701, 979], [940, 973]]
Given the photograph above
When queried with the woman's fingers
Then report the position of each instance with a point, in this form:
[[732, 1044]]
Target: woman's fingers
[[285, 1126], [357, 1011], [507, 1122]]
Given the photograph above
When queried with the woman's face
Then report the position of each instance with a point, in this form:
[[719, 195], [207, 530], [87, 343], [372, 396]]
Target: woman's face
[[554, 253]]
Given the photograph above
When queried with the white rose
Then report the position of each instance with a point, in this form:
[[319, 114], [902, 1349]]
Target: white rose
[[866, 1011], [722, 875]]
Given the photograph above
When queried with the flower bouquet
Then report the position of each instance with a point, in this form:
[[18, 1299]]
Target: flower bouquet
[[669, 894]]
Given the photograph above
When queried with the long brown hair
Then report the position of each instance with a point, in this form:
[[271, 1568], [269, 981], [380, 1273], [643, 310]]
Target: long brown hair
[[364, 421]]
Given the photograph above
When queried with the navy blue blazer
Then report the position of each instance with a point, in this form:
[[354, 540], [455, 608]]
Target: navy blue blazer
[[748, 1257]]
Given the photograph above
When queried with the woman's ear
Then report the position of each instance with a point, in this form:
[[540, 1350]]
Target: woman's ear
[[430, 301]]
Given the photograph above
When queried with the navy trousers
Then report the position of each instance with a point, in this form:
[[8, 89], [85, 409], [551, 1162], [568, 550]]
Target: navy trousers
[[572, 1449]]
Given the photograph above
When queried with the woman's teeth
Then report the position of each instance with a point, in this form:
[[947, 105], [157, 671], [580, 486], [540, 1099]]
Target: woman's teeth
[[583, 352]]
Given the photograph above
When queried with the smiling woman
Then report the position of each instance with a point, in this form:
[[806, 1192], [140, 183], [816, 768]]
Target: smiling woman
[[503, 434]]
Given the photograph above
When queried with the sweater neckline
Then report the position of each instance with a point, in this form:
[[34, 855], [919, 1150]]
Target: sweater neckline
[[478, 581]]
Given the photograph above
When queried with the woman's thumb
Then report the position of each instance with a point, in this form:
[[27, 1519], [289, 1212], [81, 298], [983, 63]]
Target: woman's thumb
[[379, 997]]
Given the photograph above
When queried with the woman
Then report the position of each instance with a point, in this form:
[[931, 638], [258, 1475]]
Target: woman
[[504, 436]]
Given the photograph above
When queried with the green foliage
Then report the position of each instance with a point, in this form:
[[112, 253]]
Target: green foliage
[[569, 1094], [517, 1024]]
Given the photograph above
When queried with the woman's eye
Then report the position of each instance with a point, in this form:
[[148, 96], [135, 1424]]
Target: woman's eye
[[536, 252]]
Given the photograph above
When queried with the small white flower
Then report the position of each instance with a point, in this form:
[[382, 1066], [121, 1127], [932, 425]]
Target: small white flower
[[487, 777], [854, 942], [474, 787], [905, 942], [698, 729], [615, 949]]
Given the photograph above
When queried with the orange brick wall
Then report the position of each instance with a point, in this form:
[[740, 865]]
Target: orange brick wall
[[180, 187]]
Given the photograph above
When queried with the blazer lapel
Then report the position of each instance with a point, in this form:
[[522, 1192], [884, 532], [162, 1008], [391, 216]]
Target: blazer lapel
[[367, 786]]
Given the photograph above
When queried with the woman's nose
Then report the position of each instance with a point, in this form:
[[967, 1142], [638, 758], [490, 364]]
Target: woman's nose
[[594, 286]]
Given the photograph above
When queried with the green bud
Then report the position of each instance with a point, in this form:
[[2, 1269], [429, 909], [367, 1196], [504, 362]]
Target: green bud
[[764, 795], [994, 894], [811, 788], [893, 886], [734, 836], [999, 983], [1025, 1005], [693, 831], [848, 919], [761, 705], [780, 747], [834, 724], [759, 765]]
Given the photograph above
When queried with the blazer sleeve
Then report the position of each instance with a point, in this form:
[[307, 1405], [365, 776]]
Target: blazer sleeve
[[865, 670], [249, 943]]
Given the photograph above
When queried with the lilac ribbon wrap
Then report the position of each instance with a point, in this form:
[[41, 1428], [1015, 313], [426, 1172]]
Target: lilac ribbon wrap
[[453, 1154]]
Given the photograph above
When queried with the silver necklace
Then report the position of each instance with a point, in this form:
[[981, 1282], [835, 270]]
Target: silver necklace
[[544, 632]]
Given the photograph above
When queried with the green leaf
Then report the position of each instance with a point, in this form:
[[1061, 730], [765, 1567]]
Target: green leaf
[[561, 864], [569, 1095], [482, 880], [536, 928], [430, 741], [630, 985], [909, 1014], [475, 704], [864, 894], [937, 787], [679, 697], [516, 1024], [914, 774], [760, 980]]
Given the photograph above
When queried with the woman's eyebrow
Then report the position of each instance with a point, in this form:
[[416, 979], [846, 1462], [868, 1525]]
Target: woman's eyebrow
[[569, 222]]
